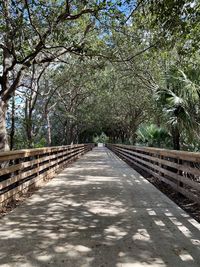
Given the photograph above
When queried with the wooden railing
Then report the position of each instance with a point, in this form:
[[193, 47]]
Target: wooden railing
[[20, 170], [179, 169]]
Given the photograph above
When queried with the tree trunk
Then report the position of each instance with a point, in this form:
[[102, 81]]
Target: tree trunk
[[122, 137], [132, 135], [176, 138], [4, 146], [29, 132], [49, 141], [12, 131], [30, 138], [176, 146]]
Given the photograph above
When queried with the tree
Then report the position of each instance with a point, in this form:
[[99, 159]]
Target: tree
[[152, 135], [35, 32], [95, 66], [179, 103]]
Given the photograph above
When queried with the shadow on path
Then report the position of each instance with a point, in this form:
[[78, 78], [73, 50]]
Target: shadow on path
[[99, 213]]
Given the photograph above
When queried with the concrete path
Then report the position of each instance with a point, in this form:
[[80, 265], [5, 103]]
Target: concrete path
[[99, 213]]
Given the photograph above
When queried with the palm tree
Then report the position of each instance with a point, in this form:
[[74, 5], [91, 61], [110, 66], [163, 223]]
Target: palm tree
[[179, 102], [152, 135]]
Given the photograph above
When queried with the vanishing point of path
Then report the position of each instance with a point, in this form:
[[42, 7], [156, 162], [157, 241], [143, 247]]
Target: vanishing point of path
[[99, 212]]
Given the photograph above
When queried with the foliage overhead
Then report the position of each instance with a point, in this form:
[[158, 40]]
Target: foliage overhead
[[72, 71]]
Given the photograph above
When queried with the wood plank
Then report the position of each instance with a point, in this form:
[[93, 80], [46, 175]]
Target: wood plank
[[185, 155], [175, 176], [180, 167], [16, 154], [183, 191], [68, 157], [26, 164], [23, 175]]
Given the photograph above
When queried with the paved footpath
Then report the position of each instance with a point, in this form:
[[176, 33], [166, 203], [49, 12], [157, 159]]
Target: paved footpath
[[99, 213]]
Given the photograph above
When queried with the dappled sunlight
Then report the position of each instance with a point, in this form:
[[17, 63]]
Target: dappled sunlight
[[184, 255], [142, 234], [113, 232], [105, 207], [154, 262], [194, 223], [109, 219]]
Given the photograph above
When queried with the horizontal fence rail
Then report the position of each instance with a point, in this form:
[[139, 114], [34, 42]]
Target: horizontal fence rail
[[21, 170], [179, 169]]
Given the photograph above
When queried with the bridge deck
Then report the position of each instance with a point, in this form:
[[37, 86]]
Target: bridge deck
[[99, 212]]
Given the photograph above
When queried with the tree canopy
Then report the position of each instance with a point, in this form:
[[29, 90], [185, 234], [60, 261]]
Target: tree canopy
[[81, 71]]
